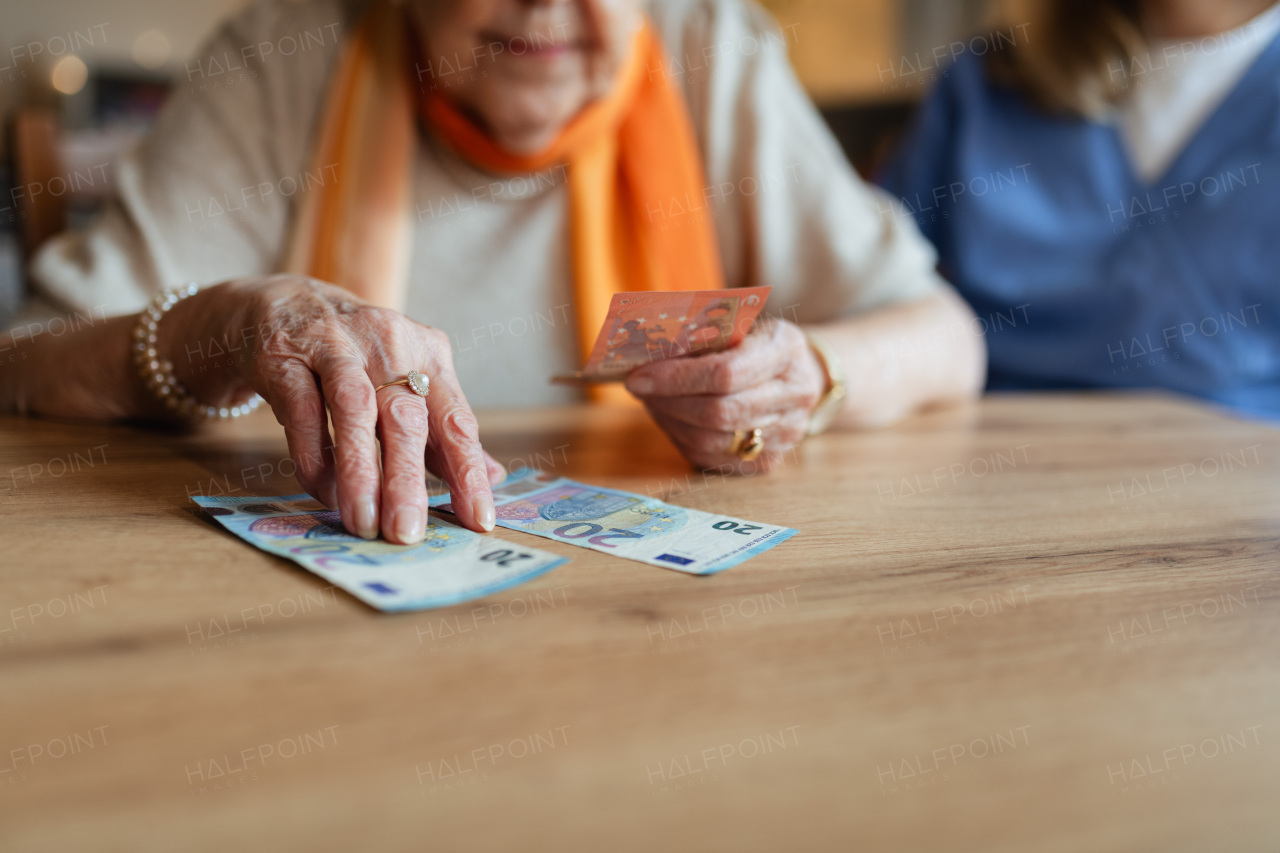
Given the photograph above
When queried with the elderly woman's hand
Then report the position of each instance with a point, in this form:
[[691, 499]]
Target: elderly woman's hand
[[770, 382], [317, 348]]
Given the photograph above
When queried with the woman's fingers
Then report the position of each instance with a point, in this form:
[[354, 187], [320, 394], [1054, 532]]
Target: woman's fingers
[[299, 407], [455, 453], [714, 449], [497, 471], [770, 382], [351, 347], [353, 407], [403, 428], [452, 437], [758, 407], [753, 362]]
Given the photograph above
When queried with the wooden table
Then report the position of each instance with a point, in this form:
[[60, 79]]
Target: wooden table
[[1037, 623]]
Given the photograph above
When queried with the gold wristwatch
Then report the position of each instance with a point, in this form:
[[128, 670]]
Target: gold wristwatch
[[833, 397]]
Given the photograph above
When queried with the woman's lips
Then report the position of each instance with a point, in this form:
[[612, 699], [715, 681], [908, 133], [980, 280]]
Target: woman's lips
[[533, 45]]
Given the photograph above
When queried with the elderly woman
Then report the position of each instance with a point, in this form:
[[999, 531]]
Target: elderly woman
[[496, 169], [1102, 192]]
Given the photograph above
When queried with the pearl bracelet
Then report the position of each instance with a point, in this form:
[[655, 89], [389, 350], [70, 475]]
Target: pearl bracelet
[[158, 373]]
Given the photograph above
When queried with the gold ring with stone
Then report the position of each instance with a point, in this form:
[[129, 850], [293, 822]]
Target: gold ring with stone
[[747, 446], [417, 382]]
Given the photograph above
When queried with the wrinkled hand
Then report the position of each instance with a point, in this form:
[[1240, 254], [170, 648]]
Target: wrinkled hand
[[318, 348], [771, 382]]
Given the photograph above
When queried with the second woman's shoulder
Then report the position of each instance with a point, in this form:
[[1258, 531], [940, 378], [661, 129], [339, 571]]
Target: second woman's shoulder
[[969, 85], [965, 79]]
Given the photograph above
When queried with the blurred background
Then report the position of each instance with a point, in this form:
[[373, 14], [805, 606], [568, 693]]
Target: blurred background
[[81, 80]]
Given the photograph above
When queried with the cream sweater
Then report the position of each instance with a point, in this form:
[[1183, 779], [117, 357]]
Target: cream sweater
[[210, 194]]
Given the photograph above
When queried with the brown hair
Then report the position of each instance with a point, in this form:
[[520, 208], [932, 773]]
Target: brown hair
[[1076, 55]]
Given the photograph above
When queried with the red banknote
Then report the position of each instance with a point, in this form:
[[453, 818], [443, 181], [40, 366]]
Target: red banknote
[[648, 326]]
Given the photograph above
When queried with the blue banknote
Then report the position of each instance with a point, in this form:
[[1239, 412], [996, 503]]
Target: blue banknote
[[627, 525], [449, 566]]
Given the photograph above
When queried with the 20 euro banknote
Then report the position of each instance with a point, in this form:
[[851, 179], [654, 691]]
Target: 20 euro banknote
[[451, 565], [627, 525]]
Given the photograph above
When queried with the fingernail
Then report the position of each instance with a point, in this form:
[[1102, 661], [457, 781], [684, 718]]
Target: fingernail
[[640, 384], [408, 524], [366, 518], [483, 509], [497, 473]]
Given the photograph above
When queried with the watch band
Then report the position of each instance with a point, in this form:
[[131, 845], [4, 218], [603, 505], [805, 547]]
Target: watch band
[[824, 413]]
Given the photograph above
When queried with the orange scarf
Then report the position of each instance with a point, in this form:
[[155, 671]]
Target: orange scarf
[[638, 215]]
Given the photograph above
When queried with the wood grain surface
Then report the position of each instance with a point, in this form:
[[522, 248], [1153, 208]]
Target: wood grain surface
[[1036, 623]]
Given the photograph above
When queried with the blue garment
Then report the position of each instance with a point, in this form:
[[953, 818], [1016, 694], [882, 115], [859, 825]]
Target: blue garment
[[1084, 275]]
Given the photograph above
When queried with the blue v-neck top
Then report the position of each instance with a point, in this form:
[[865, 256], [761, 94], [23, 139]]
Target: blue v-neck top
[[1084, 275]]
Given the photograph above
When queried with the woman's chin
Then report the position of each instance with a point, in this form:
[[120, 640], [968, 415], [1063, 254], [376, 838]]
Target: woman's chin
[[527, 126], [525, 141]]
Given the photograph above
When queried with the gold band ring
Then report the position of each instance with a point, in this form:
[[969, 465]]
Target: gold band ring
[[747, 446], [417, 382]]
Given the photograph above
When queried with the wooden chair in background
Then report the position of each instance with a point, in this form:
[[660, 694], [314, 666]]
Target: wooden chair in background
[[37, 166]]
